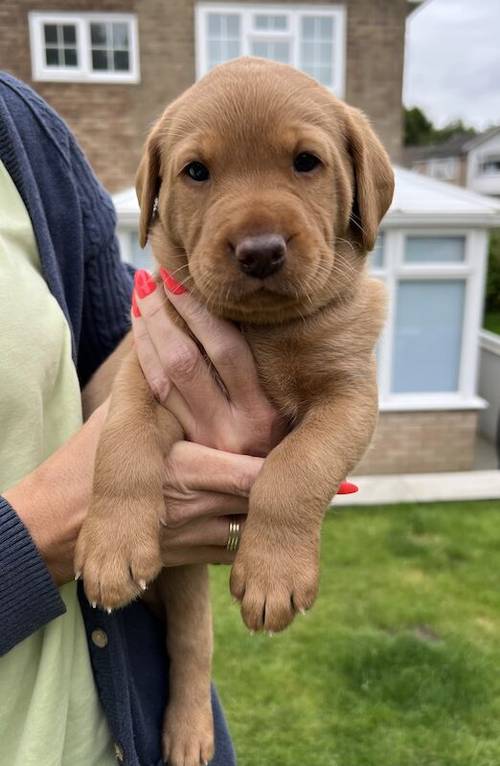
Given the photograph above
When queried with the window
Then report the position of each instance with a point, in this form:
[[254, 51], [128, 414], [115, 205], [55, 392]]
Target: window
[[310, 38], [443, 169], [490, 166], [88, 47], [427, 356]]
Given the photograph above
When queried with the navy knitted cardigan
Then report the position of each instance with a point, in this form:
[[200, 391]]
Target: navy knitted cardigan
[[74, 223]]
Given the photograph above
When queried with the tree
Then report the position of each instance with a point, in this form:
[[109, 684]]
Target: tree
[[420, 131]]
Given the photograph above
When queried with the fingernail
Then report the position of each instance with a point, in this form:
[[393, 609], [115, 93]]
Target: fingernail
[[135, 308], [142, 584], [78, 575], [347, 488], [144, 283], [171, 284]]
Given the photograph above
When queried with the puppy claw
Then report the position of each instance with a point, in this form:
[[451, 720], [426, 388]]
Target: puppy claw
[[78, 575], [93, 604], [108, 610], [142, 584]]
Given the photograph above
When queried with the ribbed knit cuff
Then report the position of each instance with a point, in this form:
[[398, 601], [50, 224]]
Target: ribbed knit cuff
[[29, 598]]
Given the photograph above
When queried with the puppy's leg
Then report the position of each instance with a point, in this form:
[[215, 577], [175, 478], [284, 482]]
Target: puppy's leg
[[118, 550], [276, 570], [188, 738]]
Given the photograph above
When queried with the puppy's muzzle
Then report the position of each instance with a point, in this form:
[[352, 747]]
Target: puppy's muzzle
[[261, 255]]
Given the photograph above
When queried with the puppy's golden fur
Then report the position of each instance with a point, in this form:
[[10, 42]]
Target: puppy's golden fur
[[312, 327]]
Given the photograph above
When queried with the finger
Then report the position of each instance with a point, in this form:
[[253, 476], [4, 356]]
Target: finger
[[181, 509], [205, 555], [226, 347], [197, 467], [180, 359], [149, 359], [200, 533]]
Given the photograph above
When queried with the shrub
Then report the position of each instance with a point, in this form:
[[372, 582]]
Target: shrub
[[493, 278]]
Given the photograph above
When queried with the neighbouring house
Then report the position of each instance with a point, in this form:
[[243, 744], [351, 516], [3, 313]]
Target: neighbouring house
[[110, 67], [468, 161], [431, 254]]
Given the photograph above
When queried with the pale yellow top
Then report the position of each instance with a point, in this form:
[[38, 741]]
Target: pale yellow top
[[50, 713]]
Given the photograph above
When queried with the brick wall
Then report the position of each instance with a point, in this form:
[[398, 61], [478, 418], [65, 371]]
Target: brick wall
[[111, 121], [421, 442], [101, 116]]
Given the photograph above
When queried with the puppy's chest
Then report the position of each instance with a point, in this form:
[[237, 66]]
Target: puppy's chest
[[295, 370]]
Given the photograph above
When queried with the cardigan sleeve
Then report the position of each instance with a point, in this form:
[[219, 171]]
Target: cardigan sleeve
[[107, 280], [29, 598]]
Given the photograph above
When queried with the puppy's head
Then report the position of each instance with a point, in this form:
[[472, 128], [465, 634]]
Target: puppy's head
[[265, 191]]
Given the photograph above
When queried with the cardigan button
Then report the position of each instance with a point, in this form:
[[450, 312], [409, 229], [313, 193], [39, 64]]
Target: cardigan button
[[99, 638], [119, 753]]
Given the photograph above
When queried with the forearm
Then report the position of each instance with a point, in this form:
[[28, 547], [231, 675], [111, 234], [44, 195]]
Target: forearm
[[52, 501]]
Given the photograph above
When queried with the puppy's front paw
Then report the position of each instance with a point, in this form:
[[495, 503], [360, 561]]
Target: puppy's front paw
[[118, 551], [188, 735], [273, 583]]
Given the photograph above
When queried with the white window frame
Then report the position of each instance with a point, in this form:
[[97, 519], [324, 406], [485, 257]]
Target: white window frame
[[294, 13], [83, 72], [473, 271]]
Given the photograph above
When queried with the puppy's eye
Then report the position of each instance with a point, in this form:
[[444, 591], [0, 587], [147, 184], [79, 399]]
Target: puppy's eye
[[305, 162], [197, 171]]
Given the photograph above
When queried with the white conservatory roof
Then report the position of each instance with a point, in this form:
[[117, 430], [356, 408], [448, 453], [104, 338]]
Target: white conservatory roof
[[418, 201]]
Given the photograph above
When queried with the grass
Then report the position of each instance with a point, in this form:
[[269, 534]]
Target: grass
[[398, 664], [492, 321]]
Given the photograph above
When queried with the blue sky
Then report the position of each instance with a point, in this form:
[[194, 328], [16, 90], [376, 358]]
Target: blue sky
[[452, 67]]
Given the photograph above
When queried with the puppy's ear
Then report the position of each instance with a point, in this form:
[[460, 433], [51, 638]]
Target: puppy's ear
[[373, 178], [147, 183]]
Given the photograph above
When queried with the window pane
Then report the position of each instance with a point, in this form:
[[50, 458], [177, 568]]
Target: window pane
[[50, 32], [52, 56], [316, 47], [98, 34], [69, 34], [224, 39], [214, 24], [120, 36], [435, 250], [277, 51], [100, 60], [262, 21], [121, 61], [428, 336], [377, 254], [70, 57]]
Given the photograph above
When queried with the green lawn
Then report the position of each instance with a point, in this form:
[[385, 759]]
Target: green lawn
[[492, 321], [398, 664]]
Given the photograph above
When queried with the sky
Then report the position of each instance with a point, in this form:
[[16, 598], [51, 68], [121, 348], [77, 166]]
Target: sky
[[452, 67]]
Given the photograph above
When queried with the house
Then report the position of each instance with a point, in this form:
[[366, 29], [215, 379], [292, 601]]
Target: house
[[468, 161], [431, 254], [110, 67]]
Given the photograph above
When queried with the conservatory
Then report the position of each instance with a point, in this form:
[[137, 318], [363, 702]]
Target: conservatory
[[431, 254]]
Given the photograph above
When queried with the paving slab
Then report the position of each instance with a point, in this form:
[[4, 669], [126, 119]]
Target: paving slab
[[423, 488]]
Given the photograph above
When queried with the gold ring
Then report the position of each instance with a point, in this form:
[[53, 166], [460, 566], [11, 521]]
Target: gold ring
[[233, 540]]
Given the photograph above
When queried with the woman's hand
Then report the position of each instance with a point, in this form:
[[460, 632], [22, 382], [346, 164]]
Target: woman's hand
[[243, 421], [204, 488]]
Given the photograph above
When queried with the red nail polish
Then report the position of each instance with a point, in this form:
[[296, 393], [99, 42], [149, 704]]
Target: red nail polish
[[171, 284], [144, 283], [135, 308], [347, 488]]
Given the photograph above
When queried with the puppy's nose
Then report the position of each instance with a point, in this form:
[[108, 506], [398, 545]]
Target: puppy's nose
[[262, 255]]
